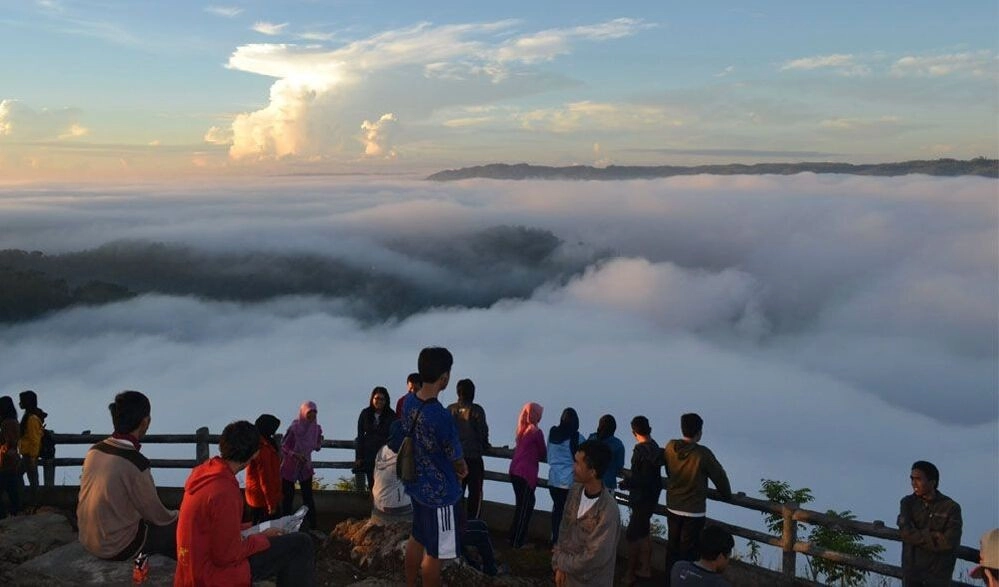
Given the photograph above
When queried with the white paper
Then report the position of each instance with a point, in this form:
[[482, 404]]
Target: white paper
[[286, 524]]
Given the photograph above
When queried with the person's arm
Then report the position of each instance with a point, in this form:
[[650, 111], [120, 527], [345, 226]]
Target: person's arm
[[141, 491], [319, 439], [271, 481], [599, 548], [227, 546], [483, 430], [448, 434], [542, 448], [943, 540], [288, 443], [359, 442], [717, 475]]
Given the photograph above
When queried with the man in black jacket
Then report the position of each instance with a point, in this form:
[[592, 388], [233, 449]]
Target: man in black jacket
[[473, 431], [930, 524]]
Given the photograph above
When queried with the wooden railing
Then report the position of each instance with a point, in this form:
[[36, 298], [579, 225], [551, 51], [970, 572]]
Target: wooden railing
[[788, 542]]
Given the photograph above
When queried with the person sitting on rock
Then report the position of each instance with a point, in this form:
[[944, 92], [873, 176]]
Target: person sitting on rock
[[119, 513], [210, 547]]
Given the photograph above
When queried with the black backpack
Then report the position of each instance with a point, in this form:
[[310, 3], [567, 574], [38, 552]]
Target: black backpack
[[47, 450]]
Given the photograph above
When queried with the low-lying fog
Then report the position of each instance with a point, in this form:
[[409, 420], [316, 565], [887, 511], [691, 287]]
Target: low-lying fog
[[829, 329]]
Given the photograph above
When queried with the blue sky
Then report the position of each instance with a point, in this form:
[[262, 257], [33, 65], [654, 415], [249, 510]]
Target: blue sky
[[101, 88]]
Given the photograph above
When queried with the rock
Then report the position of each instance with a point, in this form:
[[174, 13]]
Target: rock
[[73, 565], [25, 537]]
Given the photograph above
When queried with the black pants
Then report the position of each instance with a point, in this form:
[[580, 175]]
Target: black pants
[[29, 467], [10, 483], [473, 482], [151, 539], [476, 535], [682, 541], [559, 496], [288, 488], [524, 495], [258, 515], [640, 523], [291, 559]]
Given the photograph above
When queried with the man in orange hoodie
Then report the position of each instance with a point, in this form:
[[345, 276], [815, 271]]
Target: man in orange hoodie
[[210, 549]]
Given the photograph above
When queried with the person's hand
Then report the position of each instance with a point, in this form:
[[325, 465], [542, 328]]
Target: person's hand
[[461, 468], [560, 579], [272, 532]]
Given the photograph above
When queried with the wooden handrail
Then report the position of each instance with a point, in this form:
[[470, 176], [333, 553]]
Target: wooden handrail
[[788, 543]]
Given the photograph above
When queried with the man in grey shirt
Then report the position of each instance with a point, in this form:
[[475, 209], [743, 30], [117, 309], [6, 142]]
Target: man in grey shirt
[[715, 548]]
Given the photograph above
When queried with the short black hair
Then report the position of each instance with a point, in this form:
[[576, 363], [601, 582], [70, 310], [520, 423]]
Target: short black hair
[[414, 378], [28, 398], [466, 390], [715, 541], [239, 441], [434, 362], [597, 455], [691, 425], [640, 425], [128, 409], [928, 469]]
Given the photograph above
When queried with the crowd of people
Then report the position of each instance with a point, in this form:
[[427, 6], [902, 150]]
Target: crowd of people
[[121, 517]]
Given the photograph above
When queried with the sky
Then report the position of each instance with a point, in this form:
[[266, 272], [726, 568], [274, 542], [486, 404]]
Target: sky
[[830, 329], [106, 90]]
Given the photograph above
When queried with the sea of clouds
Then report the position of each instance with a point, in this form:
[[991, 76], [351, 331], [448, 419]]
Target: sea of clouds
[[829, 329]]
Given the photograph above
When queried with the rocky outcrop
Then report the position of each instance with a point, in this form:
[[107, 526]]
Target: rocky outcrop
[[72, 565], [23, 538]]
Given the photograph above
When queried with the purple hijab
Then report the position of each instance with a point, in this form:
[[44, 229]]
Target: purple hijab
[[302, 438]]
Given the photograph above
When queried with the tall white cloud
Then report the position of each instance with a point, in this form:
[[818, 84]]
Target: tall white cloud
[[321, 96], [377, 136]]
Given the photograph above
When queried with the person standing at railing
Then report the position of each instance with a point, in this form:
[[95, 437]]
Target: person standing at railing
[[644, 484], [563, 440], [10, 478], [473, 431], [689, 466], [304, 437], [528, 453], [930, 524], [32, 426], [372, 433], [118, 511], [263, 473], [606, 428], [412, 386]]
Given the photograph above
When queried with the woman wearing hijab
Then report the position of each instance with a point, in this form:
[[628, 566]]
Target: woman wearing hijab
[[304, 436], [606, 428], [10, 477], [263, 473], [563, 440], [527, 454], [372, 432]]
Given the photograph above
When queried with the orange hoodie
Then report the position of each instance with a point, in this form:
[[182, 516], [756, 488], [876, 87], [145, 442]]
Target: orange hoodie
[[263, 479], [210, 549]]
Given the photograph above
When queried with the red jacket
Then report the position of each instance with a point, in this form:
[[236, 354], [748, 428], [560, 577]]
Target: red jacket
[[210, 550], [263, 479]]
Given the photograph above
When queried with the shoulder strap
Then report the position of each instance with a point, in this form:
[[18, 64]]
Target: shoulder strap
[[416, 416], [133, 456]]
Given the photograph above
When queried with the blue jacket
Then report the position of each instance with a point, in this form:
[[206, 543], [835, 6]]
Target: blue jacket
[[560, 460]]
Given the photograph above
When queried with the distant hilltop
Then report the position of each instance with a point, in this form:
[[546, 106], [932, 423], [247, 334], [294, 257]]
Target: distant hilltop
[[979, 166]]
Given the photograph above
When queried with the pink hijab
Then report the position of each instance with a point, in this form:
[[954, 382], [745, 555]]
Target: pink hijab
[[303, 438], [529, 417]]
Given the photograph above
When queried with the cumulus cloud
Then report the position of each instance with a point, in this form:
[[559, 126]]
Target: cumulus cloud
[[218, 135], [321, 95], [975, 64], [224, 11], [20, 122], [269, 28], [830, 306], [841, 63], [377, 136]]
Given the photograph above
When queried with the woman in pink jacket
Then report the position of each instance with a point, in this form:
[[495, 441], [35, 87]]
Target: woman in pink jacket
[[304, 436], [527, 454]]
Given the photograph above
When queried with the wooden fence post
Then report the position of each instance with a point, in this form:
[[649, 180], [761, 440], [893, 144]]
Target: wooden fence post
[[201, 448], [789, 536]]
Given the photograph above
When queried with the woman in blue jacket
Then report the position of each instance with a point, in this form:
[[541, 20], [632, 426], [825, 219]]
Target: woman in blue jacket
[[563, 440]]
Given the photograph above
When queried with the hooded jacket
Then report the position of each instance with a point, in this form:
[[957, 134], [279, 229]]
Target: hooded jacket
[[688, 468], [210, 549], [263, 478], [302, 439]]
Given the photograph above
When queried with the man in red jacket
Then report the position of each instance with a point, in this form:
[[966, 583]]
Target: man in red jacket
[[210, 549]]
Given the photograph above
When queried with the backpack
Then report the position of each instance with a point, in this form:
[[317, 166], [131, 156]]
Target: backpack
[[405, 462], [48, 447]]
